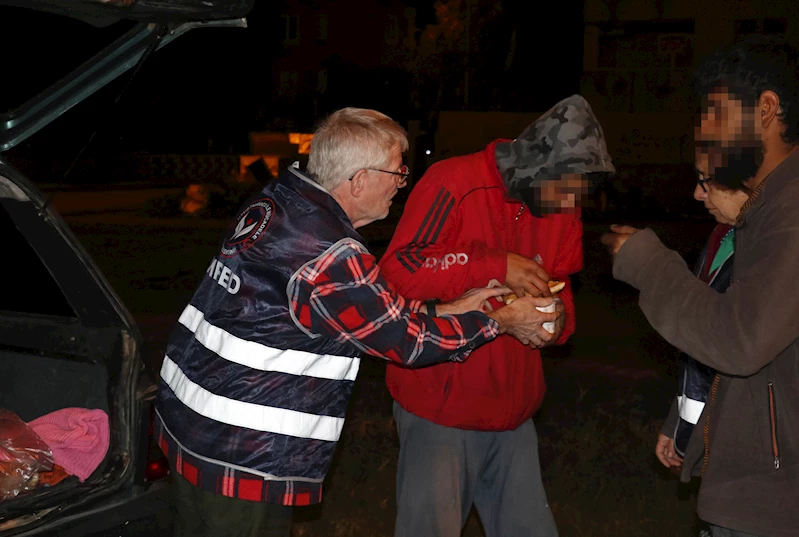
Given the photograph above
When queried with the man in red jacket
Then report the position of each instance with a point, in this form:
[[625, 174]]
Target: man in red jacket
[[506, 215]]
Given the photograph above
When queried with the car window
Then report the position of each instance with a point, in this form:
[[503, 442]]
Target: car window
[[66, 44], [26, 286]]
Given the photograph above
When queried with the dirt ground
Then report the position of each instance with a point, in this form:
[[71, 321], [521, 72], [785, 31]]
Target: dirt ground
[[608, 389]]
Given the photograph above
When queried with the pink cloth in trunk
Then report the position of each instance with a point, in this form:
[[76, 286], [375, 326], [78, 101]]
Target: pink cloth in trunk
[[78, 437]]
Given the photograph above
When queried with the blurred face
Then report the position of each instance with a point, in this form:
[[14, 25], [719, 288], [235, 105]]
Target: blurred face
[[382, 185], [562, 194], [728, 138]]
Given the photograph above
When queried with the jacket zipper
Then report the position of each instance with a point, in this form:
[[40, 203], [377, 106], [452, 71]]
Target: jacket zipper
[[711, 400], [513, 371], [772, 410]]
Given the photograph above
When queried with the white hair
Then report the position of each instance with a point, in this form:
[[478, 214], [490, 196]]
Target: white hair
[[352, 139]]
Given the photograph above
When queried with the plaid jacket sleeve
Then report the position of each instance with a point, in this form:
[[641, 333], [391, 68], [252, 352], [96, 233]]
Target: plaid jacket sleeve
[[342, 295]]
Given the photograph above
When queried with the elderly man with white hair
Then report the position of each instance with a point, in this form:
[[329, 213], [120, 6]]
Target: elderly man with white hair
[[260, 367]]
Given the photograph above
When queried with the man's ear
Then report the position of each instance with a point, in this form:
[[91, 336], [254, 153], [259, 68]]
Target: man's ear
[[358, 183], [769, 108]]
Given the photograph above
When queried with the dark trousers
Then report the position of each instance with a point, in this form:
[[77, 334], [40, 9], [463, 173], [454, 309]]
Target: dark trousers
[[203, 513]]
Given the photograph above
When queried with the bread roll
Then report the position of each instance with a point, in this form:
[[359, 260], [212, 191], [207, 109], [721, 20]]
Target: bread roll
[[554, 288]]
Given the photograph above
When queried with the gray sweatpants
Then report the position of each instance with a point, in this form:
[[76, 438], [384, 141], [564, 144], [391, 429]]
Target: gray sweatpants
[[443, 470]]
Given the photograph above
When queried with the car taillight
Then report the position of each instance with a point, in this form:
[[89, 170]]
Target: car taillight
[[157, 466], [157, 469]]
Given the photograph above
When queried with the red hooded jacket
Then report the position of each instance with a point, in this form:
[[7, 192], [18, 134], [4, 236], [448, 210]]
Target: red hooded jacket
[[458, 226]]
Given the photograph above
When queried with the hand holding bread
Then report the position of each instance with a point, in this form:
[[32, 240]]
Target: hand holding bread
[[555, 286]]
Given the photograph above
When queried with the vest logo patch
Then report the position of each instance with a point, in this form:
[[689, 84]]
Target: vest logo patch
[[248, 227]]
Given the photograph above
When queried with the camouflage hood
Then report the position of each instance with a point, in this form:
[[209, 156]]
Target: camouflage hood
[[566, 139]]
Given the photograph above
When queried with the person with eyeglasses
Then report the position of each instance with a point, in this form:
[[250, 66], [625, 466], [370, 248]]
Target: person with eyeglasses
[[258, 372], [745, 446], [714, 267]]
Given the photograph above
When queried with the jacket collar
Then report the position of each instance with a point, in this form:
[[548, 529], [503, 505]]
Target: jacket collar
[[771, 187]]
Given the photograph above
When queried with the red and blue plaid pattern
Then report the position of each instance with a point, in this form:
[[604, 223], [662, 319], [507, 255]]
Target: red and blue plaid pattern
[[234, 483], [342, 295]]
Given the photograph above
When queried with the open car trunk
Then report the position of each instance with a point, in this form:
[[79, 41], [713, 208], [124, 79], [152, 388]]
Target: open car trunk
[[105, 12], [66, 341]]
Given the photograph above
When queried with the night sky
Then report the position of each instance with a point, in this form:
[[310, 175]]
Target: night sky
[[207, 90]]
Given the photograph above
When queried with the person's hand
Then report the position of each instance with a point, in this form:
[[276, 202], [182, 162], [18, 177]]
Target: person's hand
[[472, 300], [523, 321], [618, 236], [666, 453], [524, 274], [560, 322]]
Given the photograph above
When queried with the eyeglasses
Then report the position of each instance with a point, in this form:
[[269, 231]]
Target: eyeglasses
[[702, 181], [403, 172]]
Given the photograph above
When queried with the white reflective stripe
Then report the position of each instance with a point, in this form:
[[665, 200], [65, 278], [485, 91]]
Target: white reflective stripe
[[250, 415], [263, 358], [690, 409]]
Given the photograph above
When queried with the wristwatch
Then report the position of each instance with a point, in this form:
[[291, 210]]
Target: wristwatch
[[431, 306]]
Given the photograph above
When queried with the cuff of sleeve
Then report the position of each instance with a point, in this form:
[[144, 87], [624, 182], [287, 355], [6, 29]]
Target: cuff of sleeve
[[492, 328], [639, 250], [478, 328], [415, 305], [670, 424]]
